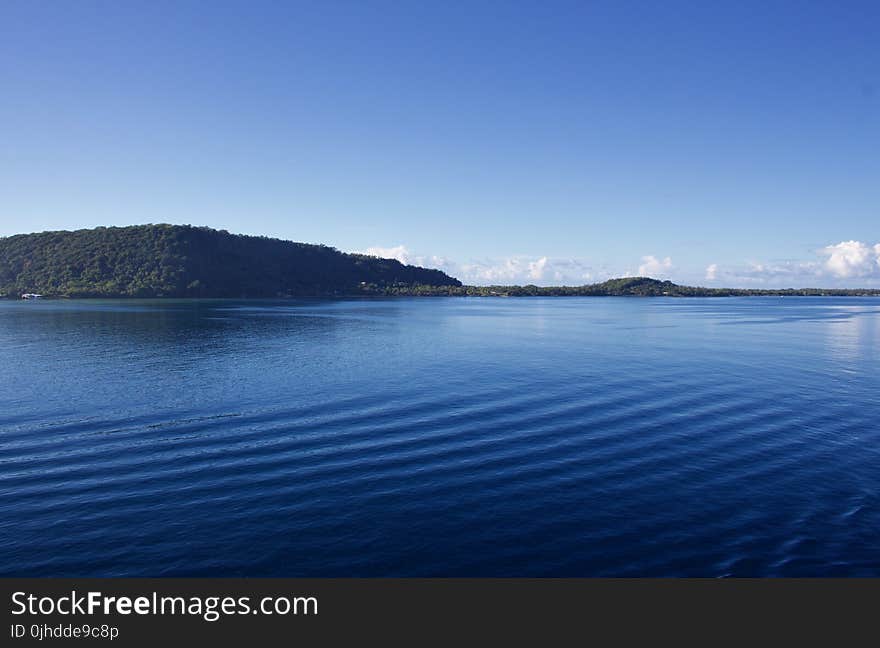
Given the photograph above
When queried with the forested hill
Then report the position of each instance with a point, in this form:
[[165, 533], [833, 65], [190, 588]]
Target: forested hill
[[185, 261]]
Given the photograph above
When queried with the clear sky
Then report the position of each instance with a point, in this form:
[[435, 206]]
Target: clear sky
[[733, 143]]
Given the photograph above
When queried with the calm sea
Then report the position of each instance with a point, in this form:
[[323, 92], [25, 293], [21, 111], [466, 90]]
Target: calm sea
[[441, 437]]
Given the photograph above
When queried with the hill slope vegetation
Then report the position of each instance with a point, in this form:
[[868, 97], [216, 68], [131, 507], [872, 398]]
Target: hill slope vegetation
[[186, 261]]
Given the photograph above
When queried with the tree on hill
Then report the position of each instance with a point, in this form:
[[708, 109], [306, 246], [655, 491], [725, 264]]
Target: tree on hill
[[186, 261]]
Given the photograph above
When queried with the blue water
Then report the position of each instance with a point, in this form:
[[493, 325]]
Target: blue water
[[441, 437]]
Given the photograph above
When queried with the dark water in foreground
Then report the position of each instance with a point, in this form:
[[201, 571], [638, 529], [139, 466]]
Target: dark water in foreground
[[568, 436]]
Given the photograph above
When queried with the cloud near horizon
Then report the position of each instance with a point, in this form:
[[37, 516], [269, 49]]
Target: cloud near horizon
[[847, 263], [852, 259], [517, 269], [655, 268], [402, 254], [837, 263]]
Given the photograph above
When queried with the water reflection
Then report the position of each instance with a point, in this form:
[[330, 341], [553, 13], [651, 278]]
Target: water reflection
[[851, 340]]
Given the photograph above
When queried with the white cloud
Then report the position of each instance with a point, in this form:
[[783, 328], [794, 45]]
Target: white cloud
[[654, 267], [398, 252], [493, 272], [518, 269], [402, 254], [789, 273], [849, 263], [528, 270], [536, 268], [840, 264], [852, 259]]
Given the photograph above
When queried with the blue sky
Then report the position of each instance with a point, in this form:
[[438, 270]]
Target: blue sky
[[548, 142]]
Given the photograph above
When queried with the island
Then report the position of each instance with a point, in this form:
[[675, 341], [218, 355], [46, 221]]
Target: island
[[186, 261]]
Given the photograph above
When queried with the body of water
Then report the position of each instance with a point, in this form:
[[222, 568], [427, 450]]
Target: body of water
[[441, 437]]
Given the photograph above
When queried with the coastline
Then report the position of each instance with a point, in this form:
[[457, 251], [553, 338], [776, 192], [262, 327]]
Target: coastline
[[481, 292]]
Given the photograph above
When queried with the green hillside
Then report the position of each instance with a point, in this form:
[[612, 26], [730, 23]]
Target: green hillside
[[185, 261]]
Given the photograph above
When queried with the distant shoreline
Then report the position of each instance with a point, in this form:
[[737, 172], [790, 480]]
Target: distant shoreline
[[495, 292], [626, 287]]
